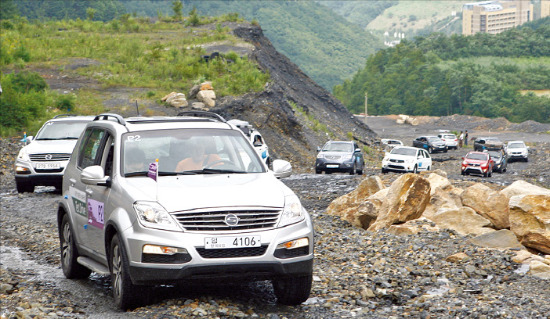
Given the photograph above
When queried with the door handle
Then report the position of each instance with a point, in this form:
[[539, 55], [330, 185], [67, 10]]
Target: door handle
[[73, 181], [89, 191]]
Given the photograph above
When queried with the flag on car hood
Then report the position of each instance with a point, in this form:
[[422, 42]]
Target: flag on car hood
[[153, 170]]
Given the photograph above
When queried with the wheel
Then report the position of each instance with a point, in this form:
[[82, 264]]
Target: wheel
[[360, 171], [446, 149], [125, 293], [485, 174], [69, 253], [352, 170], [462, 173], [429, 168], [430, 150], [384, 171], [23, 187], [292, 290], [415, 169], [504, 170], [490, 173], [318, 171], [527, 159]]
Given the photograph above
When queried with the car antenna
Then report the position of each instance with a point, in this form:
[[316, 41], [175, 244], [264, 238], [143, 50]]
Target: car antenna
[[137, 108]]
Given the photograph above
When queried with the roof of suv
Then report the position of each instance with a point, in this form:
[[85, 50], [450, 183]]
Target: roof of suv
[[71, 117]]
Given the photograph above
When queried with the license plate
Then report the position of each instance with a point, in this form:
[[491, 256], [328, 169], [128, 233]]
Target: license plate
[[231, 242], [332, 166], [47, 165]]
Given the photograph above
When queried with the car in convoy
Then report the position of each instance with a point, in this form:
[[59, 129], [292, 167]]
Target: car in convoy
[[449, 139], [168, 200], [339, 156], [406, 159], [42, 162], [479, 163], [488, 143], [430, 143], [255, 138], [389, 143], [500, 159], [517, 150]]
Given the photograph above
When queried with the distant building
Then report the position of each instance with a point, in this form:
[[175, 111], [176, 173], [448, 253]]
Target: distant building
[[495, 16], [544, 8]]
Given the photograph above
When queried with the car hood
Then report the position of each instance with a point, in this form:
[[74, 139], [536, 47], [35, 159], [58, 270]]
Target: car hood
[[399, 157], [185, 192], [341, 154], [472, 161], [51, 146]]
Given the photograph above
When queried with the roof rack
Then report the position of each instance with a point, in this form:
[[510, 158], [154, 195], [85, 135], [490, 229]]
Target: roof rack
[[106, 116], [206, 114], [63, 115]]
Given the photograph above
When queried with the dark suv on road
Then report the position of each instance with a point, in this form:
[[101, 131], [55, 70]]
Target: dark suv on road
[[430, 143], [340, 156], [488, 143]]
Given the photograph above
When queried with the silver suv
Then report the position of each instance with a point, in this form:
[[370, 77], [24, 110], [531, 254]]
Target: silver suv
[[164, 200], [42, 162]]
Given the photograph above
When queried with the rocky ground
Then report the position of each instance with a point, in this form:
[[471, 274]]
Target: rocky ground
[[356, 273]]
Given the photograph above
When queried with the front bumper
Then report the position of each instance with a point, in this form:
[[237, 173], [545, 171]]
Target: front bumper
[[27, 173], [265, 262], [322, 164], [474, 170]]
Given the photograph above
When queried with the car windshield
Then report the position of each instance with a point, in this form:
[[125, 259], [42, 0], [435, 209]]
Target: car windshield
[[516, 145], [69, 130], [338, 147], [404, 151], [450, 137], [188, 152], [433, 139], [477, 156], [495, 154]]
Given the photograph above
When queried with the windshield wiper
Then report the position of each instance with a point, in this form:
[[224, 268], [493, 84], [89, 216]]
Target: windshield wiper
[[135, 174], [211, 171]]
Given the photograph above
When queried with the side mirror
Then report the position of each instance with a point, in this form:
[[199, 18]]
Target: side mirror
[[318, 149], [281, 168], [462, 158], [257, 144], [30, 138], [94, 175], [357, 150]]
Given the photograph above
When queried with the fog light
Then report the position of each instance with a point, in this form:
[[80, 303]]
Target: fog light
[[162, 250], [22, 170], [297, 243]]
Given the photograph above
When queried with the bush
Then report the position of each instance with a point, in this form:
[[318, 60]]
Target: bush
[[66, 102], [22, 53], [26, 81]]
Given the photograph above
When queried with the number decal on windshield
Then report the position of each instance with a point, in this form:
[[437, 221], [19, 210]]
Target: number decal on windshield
[[134, 138]]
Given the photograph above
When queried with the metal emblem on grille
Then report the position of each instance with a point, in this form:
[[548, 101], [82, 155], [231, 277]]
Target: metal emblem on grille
[[231, 220], [48, 157]]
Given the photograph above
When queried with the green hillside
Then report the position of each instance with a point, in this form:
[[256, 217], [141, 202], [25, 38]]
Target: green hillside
[[153, 58], [438, 75]]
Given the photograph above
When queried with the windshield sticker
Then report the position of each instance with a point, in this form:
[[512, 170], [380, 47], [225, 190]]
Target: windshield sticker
[[134, 138], [79, 201], [95, 213]]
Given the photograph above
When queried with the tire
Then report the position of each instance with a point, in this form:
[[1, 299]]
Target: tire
[[504, 170], [126, 294], [446, 149], [430, 150], [462, 173], [317, 171], [415, 169], [360, 172], [292, 290], [485, 174], [490, 174], [429, 168], [23, 187], [352, 170], [527, 160], [69, 253], [384, 171]]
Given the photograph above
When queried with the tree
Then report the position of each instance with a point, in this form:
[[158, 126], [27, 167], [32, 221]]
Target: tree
[[177, 7]]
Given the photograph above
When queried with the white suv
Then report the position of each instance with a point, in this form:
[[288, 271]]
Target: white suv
[[517, 150], [42, 162], [406, 159], [163, 200]]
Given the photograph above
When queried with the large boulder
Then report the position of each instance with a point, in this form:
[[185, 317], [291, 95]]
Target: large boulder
[[208, 97], [443, 200], [530, 220], [463, 220], [488, 203], [497, 239], [524, 188], [355, 206], [175, 99], [406, 200]]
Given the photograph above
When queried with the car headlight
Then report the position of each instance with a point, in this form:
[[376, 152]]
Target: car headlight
[[153, 215], [292, 212], [23, 155], [320, 155]]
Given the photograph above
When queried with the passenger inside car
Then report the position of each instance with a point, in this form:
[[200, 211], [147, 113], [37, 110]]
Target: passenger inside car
[[199, 159]]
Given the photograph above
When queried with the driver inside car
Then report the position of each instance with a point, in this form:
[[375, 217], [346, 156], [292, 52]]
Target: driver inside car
[[199, 159]]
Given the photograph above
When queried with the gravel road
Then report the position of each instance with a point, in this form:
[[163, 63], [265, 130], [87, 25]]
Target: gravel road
[[356, 273]]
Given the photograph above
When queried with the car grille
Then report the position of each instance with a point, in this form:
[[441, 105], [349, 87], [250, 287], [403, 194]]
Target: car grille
[[333, 157], [232, 252], [396, 166], [50, 157], [474, 165], [397, 161], [215, 220]]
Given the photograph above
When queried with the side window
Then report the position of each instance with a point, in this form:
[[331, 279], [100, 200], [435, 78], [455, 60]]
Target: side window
[[109, 148], [90, 151]]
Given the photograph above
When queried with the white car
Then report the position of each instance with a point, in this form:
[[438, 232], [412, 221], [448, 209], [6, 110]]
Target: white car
[[255, 138], [43, 161], [450, 140], [517, 150], [406, 159]]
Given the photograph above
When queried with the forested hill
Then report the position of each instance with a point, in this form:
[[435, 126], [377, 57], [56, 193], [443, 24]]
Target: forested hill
[[483, 75], [327, 47]]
